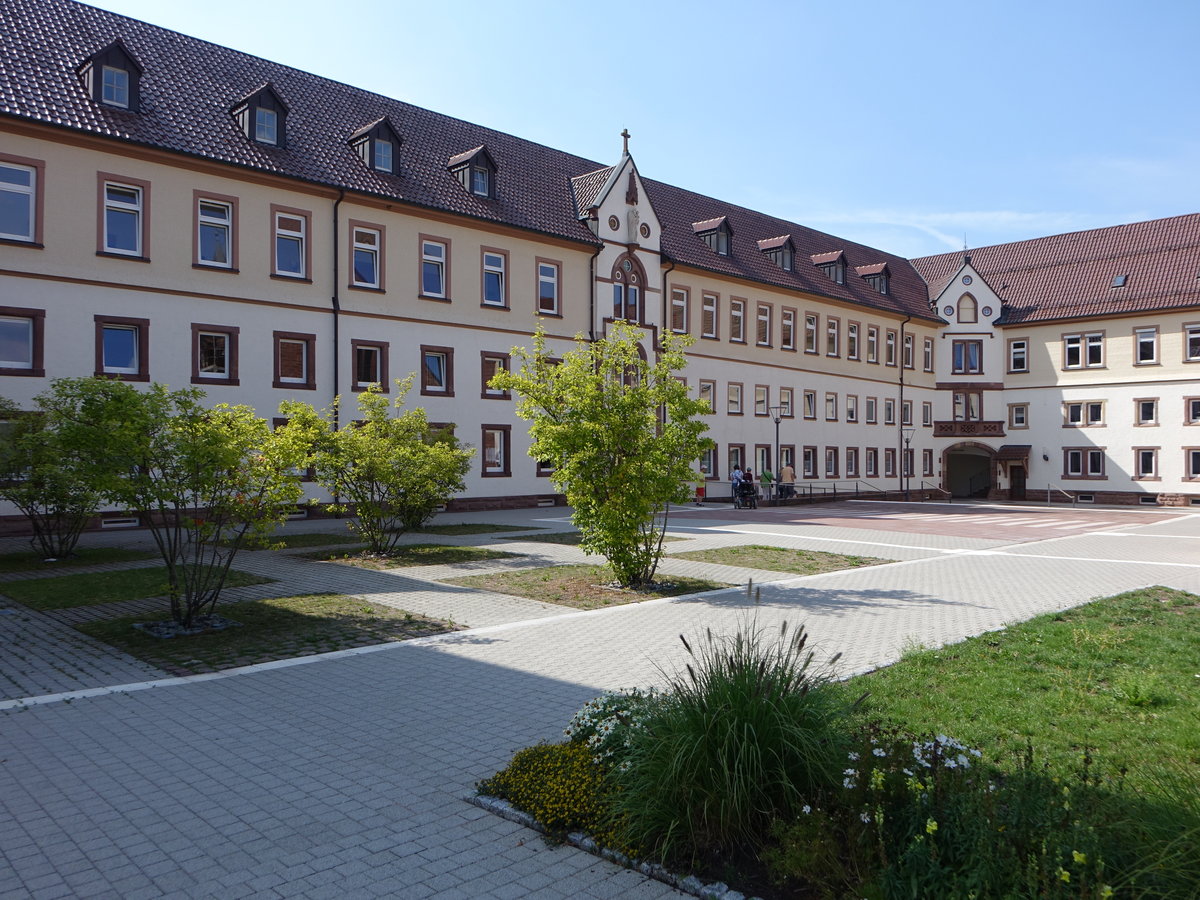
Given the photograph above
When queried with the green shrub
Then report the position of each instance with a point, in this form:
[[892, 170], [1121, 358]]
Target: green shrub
[[558, 784], [605, 725], [748, 734]]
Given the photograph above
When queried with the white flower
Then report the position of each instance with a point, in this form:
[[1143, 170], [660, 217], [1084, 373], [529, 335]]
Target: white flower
[[849, 783], [865, 817], [879, 751], [907, 772], [853, 757], [850, 772], [806, 809]]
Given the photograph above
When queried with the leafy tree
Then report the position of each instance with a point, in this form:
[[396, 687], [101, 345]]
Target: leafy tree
[[393, 472], [623, 433], [55, 485], [204, 480]]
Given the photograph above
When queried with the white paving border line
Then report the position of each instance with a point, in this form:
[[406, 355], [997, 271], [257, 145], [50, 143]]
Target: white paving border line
[[66, 696]]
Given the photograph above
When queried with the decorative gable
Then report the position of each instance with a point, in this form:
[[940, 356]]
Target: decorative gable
[[378, 144], [780, 250], [262, 116], [476, 171], [716, 233], [113, 76]]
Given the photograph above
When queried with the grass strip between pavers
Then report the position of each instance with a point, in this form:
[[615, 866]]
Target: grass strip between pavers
[[88, 589], [406, 555], [581, 586], [1120, 676], [269, 629], [779, 559]]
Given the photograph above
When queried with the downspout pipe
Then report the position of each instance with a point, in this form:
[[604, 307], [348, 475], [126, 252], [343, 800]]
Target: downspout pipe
[[592, 294], [336, 306], [900, 411]]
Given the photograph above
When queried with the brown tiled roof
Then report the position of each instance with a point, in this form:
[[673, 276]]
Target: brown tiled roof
[[821, 259], [1070, 275], [587, 188], [466, 156], [709, 224], [873, 269], [189, 86], [774, 243]]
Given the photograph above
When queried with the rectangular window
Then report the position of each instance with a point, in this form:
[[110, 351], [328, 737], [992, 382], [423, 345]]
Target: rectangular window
[[495, 458], [548, 280], [889, 348], [266, 125], [1018, 355], [708, 394], [679, 310], [495, 282], [968, 357], [889, 462], [1192, 461], [851, 346], [366, 247], [906, 412], [490, 365], [968, 406], [870, 411], [434, 282], [18, 201], [1145, 460], [872, 462], [851, 462], [123, 219], [1085, 413], [872, 344], [763, 330], [1018, 415], [809, 456], [214, 354], [122, 348], [851, 408], [737, 321], [294, 363], [1192, 343], [1191, 409], [927, 463], [1083, 350], [785, 403], [1145, 346], [737, 456], [437, 371], [370, 361], [831, 462], [214, 232], [708, 464], [709, 316], [810, 333], [787, 329], [762, 399], [733, 399], [114, 86], [927, 414], [928, 355], [21, 341], [1083, 462], [384, 157], [1146, 411], [762, 458], [908, 351], [810, 404], [291, 244], [833, 344], [831, 408], [889, 411]]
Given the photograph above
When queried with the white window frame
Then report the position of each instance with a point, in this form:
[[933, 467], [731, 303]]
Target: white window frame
[[1139, 410], [134, 208], [679, 310], [709, 311], [299, 237], [928, 355], [29, 324], [438, 261], [833, 337], [266, 126], [375, 353], [226, 339], [133, 369], [548, 279], [494, 273], [1018, 355], [497, 464], [1191, 343], [785, 403], [306, 363], [367, 242], [851, 407], [220, 223], [21, 190], [1140, 457], [1145, 338], [908, 357], [383, 155], [889, 411], [811, 326], [851, 340], [733, 399], [428, 385], [787, 329], [114, 91], [737, 321], [762, 331]]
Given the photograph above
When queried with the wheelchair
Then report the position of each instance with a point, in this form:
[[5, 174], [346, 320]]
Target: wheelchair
[[745, 496]]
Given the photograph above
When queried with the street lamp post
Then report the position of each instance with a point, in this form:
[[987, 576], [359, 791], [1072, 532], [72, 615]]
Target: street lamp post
[[776, 413], [905, 465]]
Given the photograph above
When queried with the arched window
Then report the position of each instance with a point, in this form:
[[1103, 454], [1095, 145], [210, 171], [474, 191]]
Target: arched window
[[629, 283], [968, 309]]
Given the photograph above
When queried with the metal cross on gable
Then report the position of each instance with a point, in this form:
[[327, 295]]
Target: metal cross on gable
[[625, 136]]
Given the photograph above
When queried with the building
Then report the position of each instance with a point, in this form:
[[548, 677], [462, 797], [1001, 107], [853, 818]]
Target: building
[[176, 211]]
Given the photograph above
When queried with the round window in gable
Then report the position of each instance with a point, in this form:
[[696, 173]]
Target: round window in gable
[[645, 230], [967, 279], [987, 310], [627, 265], [614, 223], [948, 310]]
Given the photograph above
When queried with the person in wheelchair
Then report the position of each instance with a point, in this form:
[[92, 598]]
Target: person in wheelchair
[[746, 492]]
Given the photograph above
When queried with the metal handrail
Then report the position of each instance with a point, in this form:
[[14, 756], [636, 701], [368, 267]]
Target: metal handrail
[[1072, 497], [926, 486]]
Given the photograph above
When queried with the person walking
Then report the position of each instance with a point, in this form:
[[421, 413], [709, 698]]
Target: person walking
[[787, 482], [735, 482], [767, 480]]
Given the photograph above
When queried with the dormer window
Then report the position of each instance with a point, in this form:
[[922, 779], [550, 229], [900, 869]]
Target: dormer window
[[780, 251], [832, 264], [263, 117], [716, 233], [876, 276], [112, 76], [475, 171], [377, 144]]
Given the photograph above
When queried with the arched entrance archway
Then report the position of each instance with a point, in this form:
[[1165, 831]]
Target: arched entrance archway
[[969, 469]]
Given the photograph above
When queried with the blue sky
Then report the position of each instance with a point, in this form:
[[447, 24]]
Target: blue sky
[[908, 126]]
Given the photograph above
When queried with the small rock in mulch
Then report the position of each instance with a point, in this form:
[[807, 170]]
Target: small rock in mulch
[[200, 625]]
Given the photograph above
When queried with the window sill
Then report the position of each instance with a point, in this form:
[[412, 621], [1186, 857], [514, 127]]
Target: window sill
[[549, 315], [433, 297], [126, 256], [197, 379], [279, 276], [26, 373], [17, 242], [213, 267], [1147, 478], [365, 287], [359, 388], [294, 385], [732, 413], [123, 376], [486, 305], [495, 474], [484, 395]]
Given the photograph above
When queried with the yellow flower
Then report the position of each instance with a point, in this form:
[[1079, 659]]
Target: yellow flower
[[930, 826], [1064, 876], [1080, 858], [1106, 891]]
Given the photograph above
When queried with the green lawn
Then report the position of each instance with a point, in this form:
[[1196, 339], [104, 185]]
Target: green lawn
[[410, 555], [581, 587], [276, 628], [103, 587], [779, 559], [28, 561], [312, 539], [569, 537], [1120, 675]]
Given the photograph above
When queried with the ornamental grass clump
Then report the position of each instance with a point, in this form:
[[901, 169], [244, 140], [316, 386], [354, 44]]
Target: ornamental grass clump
[[747, 733]]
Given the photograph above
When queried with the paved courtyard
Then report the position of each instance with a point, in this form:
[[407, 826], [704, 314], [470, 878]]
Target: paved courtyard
[[344, 775]]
